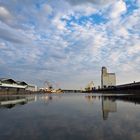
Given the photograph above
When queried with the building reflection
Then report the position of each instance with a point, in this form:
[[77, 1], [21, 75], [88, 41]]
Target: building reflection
[[108, 106], [92, 98], [12, 101], [109, 102], [46, 99]]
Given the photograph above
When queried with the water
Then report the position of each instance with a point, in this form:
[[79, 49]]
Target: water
[[71, 117]]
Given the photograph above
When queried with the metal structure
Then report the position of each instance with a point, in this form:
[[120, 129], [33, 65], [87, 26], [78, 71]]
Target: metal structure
[[48, 85]]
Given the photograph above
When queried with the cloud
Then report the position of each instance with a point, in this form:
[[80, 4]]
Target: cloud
[[97, 2], [134, 49], [5, 15], [9, 36], [2, 45], [48, 9], [138, 2], [69, 41], [118, 8]]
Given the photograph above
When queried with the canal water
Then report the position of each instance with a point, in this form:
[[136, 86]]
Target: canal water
[[71, 116]]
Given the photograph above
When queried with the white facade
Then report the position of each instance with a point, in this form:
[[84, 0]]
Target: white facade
[[107, 79], [31, 88], [12, 86]]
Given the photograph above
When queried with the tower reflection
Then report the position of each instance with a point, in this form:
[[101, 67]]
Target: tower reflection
[[108, 106]]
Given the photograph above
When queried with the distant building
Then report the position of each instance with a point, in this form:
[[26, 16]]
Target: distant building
[[90, 86], [6, 83], [31, 87], [10, 83], [21, 83], [107, 79], [98, 87]]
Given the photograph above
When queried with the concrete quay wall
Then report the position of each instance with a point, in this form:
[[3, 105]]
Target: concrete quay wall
[[131, 88], [13, 91]]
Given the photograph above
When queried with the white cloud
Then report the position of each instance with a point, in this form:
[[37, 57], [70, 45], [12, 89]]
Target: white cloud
[[115, 56], [86, 10], [122, 31], [2, 45], [5, 15], [134, 49], [132, 21], [118, 8], [48, 9], [95, 2], [59, 23], [4, 12]]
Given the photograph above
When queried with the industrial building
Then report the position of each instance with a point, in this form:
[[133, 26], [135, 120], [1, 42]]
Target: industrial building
[[31, 87], [10, 83], [107, 79], [90, 86], [12, 86]]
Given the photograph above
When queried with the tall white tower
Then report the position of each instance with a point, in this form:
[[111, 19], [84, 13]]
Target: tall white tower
[[107, 79]]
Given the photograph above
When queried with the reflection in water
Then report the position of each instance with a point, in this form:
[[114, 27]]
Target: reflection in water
[[108, 105], [12, 101], [46, 98], [109, 102], [9, 106], [72, 117], [91, 98]]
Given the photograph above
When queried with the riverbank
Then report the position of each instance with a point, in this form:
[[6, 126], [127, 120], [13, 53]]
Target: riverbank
[[15, 92], [118, 91]]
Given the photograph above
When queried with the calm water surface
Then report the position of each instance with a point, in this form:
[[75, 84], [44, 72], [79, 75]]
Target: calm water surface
[[71, 117]]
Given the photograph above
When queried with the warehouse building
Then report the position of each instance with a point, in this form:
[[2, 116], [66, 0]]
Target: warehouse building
[[12, 86]]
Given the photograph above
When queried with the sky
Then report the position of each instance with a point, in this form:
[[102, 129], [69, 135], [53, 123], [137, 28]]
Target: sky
[[67, 42]]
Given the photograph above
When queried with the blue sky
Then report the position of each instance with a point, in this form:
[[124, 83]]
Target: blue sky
[[68, 41]]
